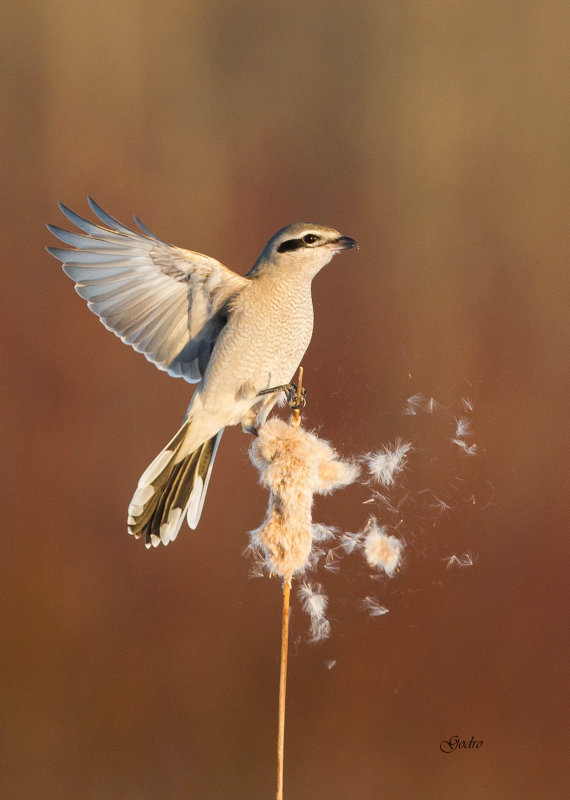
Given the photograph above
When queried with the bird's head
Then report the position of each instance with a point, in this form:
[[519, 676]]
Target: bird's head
[[303, 247]]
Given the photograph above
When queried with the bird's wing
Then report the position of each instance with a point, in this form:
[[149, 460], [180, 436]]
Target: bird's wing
[[166, 302]]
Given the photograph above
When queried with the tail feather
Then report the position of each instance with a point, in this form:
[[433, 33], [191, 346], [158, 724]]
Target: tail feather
[[203, 472], [171, 488], [168, 507]]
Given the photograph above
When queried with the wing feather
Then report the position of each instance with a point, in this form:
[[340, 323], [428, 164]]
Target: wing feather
[[144, 229], [164, 301], [83, 242], [110, 221]]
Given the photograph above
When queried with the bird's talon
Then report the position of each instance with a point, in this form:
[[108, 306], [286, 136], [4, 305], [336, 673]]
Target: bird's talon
[[291, 393], [293, 399]]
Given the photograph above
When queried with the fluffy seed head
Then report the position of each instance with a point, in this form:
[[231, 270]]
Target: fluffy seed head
[[462, 560], [381, 549], [373, 607], [388, 462], [462, 428], [294, 465], [314, 602]]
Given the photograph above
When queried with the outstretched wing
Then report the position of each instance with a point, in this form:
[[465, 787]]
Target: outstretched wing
[[166, 302]]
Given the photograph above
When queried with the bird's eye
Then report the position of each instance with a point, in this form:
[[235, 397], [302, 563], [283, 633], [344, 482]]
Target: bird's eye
[[310, 238]]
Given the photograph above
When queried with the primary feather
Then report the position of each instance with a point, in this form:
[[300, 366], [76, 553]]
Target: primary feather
[[166, 302]]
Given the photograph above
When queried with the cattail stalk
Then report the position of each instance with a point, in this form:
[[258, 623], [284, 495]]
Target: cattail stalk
[[294, 465], [283, 687], [297, 411], [285, 635]]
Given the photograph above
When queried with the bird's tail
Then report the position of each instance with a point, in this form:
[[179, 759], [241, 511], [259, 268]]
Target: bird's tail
[[172, 487]]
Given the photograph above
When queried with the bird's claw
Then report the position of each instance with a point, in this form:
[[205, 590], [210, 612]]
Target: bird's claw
[[291, 392], [295, 400]]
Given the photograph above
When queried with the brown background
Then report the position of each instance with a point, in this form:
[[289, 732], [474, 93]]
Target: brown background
[[436, 133]]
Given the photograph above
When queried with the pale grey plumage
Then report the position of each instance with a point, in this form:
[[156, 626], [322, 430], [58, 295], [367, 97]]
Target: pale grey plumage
[[193, 317]]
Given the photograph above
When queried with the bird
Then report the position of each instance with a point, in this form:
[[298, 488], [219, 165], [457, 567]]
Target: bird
[[239, 337]]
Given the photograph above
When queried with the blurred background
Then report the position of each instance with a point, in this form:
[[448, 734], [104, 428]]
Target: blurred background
[[436, 134]]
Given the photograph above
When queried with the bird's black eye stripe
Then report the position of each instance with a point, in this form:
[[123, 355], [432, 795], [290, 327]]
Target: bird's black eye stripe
[[290, 244], [295, 244]]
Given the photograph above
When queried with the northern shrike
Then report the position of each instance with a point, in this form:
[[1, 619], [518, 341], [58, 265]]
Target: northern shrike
[[194, 318]]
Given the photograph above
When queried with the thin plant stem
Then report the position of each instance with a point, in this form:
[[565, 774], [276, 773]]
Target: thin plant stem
[[297, 411], [283, 686], [285, 635]]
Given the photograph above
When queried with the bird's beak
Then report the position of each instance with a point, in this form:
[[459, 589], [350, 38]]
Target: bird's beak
[[343, 243]]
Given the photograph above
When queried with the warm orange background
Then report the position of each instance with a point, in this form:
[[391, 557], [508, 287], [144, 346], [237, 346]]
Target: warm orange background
[[436, 133]]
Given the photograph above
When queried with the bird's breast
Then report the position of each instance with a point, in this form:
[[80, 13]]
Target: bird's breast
[[267, 334]]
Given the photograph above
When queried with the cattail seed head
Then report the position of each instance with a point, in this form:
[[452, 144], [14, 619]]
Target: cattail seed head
[[294, 465]]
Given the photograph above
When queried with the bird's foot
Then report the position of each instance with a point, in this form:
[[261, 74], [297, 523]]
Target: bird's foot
[[294, 399], [291, 390]]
